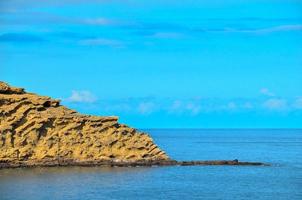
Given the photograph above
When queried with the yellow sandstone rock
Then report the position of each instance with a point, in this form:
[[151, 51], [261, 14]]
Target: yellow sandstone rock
[[37, 130]]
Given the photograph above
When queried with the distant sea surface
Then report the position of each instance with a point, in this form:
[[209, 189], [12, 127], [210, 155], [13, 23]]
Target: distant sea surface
[[282, 180]]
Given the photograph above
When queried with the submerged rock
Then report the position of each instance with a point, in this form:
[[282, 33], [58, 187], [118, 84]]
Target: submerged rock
[[37, 130]]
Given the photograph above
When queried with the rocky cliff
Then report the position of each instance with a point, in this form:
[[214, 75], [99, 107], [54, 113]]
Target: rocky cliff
[[37, 130]]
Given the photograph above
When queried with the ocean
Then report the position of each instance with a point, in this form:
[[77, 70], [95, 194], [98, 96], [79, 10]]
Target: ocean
[[280, 148]]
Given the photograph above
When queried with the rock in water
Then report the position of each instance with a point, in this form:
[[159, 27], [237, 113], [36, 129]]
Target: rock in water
[[37, 130]]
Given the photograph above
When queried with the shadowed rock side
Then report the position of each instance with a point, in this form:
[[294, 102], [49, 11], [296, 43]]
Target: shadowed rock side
[[37, 130]]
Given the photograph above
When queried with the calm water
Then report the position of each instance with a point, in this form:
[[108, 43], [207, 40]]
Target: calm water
[[282, 180]]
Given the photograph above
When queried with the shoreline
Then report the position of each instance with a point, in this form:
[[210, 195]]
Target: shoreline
[[151, 163]]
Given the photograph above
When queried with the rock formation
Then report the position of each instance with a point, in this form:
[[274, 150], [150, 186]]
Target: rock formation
[[37, 130]]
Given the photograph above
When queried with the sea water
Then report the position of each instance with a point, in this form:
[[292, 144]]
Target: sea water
[[280, 148]]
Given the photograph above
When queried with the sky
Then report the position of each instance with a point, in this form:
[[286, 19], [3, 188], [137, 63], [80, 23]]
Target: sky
[[160, 64]]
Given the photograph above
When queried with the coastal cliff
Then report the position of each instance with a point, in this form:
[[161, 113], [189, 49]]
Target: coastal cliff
[[37, 130]]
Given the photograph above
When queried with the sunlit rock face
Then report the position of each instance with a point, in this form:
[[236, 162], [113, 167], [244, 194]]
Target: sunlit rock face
[[37, 130]]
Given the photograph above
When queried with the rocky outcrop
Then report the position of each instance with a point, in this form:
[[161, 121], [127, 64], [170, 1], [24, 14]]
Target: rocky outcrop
[[37, 130]]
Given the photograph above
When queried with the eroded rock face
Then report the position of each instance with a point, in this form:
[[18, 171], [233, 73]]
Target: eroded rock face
[[36, 129]]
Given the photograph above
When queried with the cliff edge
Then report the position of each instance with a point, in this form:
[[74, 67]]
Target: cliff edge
[[37, 130]]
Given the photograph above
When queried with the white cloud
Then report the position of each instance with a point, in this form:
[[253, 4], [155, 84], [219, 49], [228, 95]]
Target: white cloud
[[81, 97], [193, 108], [101, 42], [287, 27], [231, 106], [248, 105], [21, 4], [98, 21], [176, 107], [168, 35], [146, 107], [298, 103], [266, 92], [279, 28], [275, 104], [179, 107]]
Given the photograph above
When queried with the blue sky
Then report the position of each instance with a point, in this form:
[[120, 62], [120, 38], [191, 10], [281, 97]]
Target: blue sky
[[160, 64]]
